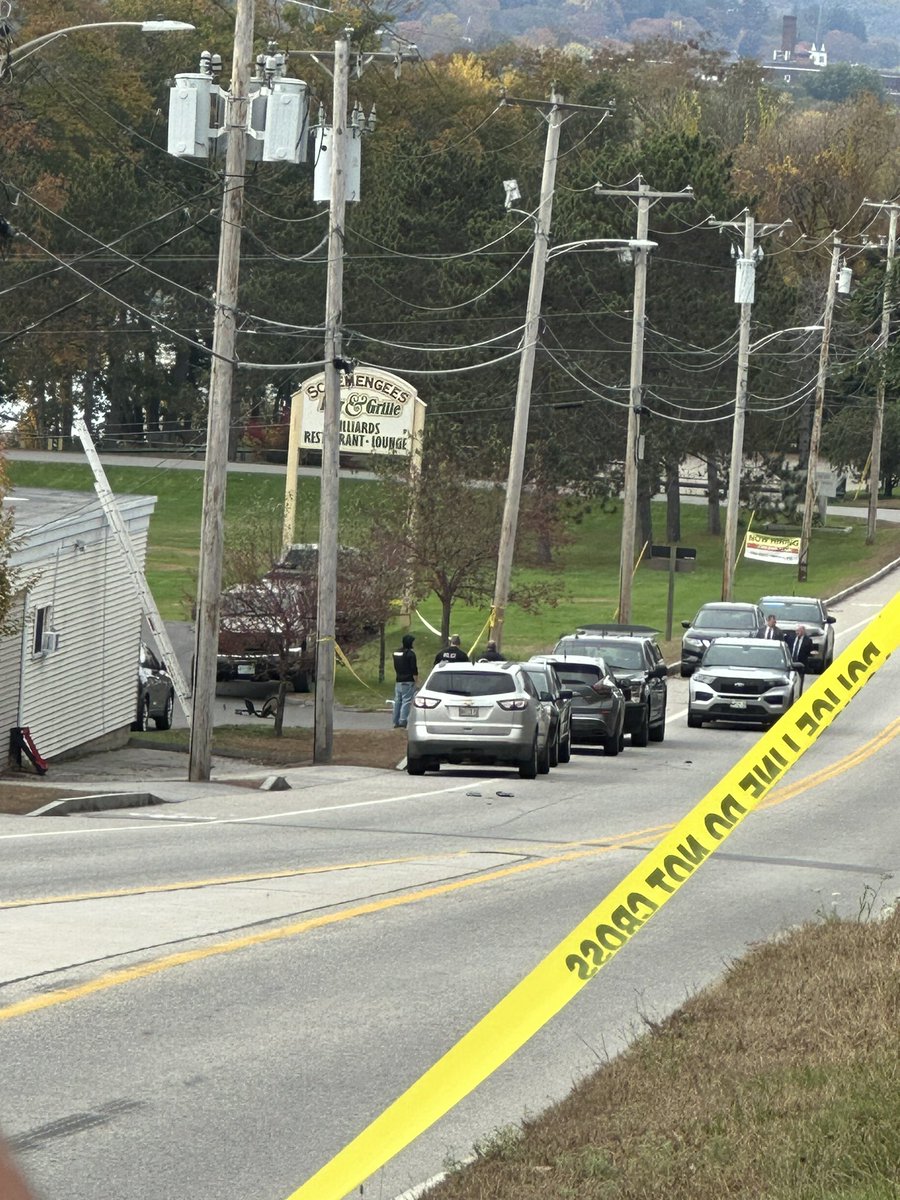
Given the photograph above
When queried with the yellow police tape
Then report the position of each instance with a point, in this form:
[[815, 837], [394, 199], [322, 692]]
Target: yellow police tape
[[578, 958]]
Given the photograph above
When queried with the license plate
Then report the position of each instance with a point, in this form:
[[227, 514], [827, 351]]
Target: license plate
[[468, 710], [244, 669], [738, 703]]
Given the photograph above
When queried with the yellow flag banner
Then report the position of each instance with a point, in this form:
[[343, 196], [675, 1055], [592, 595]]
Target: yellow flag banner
[[614, 922]]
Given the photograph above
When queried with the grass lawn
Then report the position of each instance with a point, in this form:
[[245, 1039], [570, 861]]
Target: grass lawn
[[586, 576]]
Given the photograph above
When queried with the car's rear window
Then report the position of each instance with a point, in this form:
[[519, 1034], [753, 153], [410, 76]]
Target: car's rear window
[[789, 611], [577, 674], [723, 618], [471, 683], [614, 654]]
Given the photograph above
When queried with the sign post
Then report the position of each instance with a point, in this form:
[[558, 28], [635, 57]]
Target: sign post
[[672, 559]]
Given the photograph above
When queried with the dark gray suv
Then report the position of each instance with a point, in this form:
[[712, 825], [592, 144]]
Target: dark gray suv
[[717, 620]]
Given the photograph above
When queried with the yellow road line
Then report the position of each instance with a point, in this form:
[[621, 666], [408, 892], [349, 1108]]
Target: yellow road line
[[145, 970]]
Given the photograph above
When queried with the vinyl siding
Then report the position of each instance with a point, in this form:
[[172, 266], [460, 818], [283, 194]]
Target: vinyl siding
[[10, 656], [88, 687]]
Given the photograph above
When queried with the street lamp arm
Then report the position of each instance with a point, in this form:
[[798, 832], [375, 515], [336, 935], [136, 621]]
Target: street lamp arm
[[157, 26], [763, 341], [603, 244]]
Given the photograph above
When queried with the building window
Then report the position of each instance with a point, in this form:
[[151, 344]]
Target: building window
[[42, 625]]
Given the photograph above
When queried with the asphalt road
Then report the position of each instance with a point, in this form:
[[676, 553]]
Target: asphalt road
[[327, 953]]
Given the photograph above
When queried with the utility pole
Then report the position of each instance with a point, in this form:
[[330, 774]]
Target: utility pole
[[526, 368], [326, 600], [816, 432], [881, 347], [744, 294], [641, 252], [212, 531]]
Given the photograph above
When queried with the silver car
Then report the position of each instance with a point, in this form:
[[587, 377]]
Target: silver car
[[743, 679], [484, 713]]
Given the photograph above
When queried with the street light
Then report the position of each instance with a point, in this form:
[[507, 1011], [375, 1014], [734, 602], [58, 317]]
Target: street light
[[745, 349], [156, 26]]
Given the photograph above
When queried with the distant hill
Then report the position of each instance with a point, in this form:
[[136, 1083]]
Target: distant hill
[[852, 31]]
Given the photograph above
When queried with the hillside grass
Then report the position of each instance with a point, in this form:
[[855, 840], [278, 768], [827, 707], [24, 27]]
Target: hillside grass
[[585, 575]]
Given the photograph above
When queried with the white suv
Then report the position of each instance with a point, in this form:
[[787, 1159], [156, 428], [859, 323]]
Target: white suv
[[487, 712], [743, 679]]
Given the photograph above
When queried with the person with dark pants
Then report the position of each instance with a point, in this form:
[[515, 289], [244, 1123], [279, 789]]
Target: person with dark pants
[[452, 652], [801, 648], [406, 670]]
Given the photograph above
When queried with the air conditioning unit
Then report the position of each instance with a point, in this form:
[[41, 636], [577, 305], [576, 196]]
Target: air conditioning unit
[[50, 641]]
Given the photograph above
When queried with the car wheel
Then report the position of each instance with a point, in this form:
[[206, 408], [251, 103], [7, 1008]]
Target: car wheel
[[554, 749], [142, 724], [415, 765], [611, 745], [694, 722], [565, 748], [529, 768], [165, 721], [686, 671], [641, 735], [658, 732]]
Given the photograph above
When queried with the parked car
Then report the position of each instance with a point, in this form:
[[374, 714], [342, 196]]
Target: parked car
[[479, 713], [633, 655], [551, 691], [719, 619], [598, 705], [155, 693], [791, 611], [743, 679]]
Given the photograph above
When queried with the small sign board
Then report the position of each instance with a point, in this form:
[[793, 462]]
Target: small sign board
[[380, 413], [660, 558]]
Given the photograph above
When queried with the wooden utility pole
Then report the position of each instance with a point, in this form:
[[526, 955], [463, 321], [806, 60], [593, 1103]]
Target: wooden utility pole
[[744, 295], [526, 369], [326, 603], [881, 348], [640, 249], [212, 531], [815, 435]]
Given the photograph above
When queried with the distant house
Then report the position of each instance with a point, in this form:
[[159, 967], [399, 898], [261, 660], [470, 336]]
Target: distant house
[[70, 672]]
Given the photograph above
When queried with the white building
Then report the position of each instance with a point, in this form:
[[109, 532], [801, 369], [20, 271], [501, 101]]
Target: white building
[[69, 673]]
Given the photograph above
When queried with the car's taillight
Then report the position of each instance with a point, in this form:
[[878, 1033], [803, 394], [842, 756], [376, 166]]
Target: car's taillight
[[512, 705], [603, 690], [425, 701]]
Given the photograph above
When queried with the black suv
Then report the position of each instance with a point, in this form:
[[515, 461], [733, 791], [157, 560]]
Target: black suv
[[632, 654], [718, 619]]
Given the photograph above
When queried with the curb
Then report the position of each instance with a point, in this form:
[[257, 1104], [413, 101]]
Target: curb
[[856, 587], [98, 803]]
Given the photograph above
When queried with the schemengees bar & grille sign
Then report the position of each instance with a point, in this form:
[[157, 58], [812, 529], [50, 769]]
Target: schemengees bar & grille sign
[[380, 413]]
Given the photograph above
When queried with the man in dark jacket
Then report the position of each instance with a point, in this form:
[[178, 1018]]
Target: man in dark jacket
[[452, 652], [771, 632], [801, 646], [492, 654], [406, 670]]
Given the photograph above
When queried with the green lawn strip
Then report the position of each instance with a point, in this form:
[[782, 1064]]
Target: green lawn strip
[[585, 576], [778, 1082]]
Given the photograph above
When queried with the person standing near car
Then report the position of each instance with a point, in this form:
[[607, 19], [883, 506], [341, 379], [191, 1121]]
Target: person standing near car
[[771, 633], [801, 648], [452, 652], [406, 670], [491, 653]]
